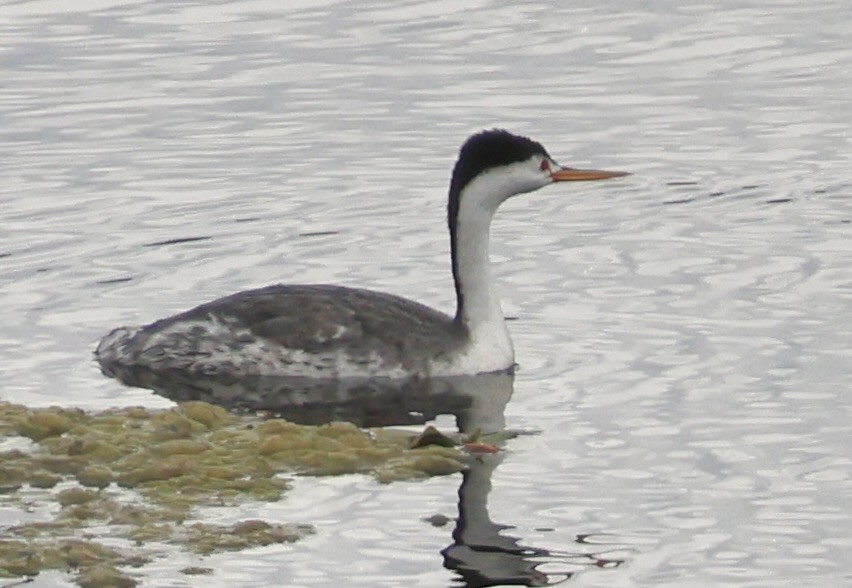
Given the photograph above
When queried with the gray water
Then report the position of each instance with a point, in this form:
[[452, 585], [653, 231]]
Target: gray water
[[684, 335]]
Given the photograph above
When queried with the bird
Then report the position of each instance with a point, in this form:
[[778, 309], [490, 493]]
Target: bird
[[335, 332]]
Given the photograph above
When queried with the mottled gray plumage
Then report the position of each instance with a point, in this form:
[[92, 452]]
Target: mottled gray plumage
[[319, 320]]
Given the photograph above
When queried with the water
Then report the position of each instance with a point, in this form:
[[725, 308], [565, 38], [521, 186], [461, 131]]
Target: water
[[683, 335]]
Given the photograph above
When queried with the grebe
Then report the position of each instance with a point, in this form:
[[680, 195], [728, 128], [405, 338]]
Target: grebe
[[326, 331]]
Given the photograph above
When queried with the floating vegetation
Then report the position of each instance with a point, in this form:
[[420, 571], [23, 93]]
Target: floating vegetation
[[135, 475], [97, 564]]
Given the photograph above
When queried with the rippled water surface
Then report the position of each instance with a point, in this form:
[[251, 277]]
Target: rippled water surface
[[684, 335]]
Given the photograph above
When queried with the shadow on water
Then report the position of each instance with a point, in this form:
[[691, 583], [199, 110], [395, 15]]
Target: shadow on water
[[688, 192], [177, 241], [480, 554], [693, 191]]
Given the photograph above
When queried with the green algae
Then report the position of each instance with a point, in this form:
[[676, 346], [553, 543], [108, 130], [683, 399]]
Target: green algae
[[97, 563], [104, 576], [196, 571], [71, 496], [140, 473], [206, 539]]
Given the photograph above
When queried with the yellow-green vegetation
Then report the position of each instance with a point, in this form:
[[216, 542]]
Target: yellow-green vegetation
[[139, 473], [96, 562]]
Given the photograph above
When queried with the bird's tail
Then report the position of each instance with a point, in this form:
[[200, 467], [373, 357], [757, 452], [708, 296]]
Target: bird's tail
[[116, 349]]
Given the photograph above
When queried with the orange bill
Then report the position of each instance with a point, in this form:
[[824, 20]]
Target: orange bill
[[566, 174]]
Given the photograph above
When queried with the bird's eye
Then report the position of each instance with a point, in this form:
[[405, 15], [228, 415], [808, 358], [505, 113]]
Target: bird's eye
[[545, 165]]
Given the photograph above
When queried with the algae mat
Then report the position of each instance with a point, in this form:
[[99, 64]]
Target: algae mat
[[137, 474]]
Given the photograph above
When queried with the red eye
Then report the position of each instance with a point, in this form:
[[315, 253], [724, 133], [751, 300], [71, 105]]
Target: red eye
[[545, 165]]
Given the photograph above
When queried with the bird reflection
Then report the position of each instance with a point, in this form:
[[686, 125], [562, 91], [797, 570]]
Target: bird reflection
[[481, 553], [477, 402]]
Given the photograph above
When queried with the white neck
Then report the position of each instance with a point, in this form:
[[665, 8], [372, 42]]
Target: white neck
[[489, 348], [479, 304], [479, 310]]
